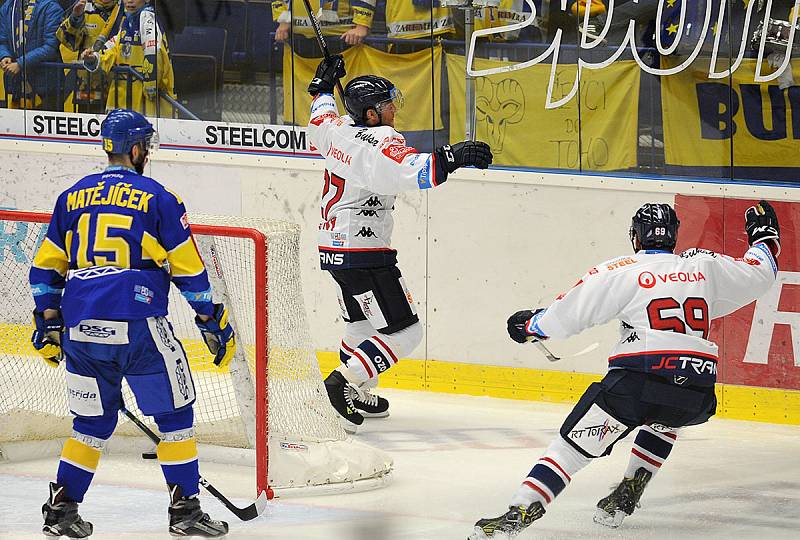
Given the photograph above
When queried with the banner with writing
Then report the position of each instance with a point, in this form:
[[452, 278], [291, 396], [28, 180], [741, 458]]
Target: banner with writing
[[703, 117], [411, 74], [596, 132]]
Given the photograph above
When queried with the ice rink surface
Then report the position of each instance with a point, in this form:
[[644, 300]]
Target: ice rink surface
[[457, 459]]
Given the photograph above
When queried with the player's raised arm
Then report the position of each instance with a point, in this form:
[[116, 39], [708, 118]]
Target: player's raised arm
[[740, 281]]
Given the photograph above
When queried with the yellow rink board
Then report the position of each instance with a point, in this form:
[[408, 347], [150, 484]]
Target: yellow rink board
[[734, 402]]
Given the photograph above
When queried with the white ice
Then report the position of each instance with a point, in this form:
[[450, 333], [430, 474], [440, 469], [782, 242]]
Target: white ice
[[457, 459]]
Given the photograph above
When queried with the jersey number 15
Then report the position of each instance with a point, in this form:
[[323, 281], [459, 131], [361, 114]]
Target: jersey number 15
[[117, 249]]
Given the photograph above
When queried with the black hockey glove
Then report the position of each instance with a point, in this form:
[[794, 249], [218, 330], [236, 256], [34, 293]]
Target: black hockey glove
[[518, 326], [328, 72], [218, 335], [46, 338], [761, 224], [463, 154]]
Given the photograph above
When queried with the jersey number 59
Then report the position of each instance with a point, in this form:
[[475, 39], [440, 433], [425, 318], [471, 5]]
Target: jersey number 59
[[693, 313]]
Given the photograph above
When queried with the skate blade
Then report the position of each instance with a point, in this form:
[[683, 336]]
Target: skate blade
[[478, 534], [348, 426], [384, 414], [609, 520]]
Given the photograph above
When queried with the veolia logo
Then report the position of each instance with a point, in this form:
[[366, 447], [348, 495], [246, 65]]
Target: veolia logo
[[647, 280]]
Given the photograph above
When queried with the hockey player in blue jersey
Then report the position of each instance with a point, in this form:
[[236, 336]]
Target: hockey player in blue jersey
[[100, 281]]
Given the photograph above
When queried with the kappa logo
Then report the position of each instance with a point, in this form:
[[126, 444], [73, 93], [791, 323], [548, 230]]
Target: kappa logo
[[372, 202], [366, 232], [632, 338], [97, 331], [367, 213], [164, 334]]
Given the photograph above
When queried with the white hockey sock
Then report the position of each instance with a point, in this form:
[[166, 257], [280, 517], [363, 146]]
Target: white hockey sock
[[550, 475], [354, 333], [650, 449], [380, 352]]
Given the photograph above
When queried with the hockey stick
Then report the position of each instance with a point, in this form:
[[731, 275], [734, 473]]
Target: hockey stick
[[553, 358], [321, 41], [245, 514]]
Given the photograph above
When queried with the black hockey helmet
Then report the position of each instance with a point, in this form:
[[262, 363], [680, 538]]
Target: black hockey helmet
[[656, 226], [369, 92]]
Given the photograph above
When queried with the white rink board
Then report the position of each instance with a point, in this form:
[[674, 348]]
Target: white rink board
[[472, 252]]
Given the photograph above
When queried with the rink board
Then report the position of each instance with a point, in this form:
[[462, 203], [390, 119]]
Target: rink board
[[481, 247]]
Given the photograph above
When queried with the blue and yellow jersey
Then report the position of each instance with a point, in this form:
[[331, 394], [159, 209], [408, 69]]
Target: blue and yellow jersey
[[115, 241]]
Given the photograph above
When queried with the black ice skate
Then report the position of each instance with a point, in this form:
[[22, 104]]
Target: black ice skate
[[368, 404], [187, 519], [509, 524], [623, 500], [61, 517], [340, 394]]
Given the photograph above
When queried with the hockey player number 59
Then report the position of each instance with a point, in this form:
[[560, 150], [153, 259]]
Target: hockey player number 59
[[115, 245], [694, 311]]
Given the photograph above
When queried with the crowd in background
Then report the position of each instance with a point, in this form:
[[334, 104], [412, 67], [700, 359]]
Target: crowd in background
[[158, 56]]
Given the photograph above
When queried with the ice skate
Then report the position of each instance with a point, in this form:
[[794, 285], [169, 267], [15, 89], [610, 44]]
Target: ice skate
[[623, 500], [369, 405], [61, 517], [340, 394], [186, 518], [509, 525]]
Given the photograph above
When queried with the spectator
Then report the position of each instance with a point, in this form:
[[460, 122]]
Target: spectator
[[27, 83], [140, 45], [89, 24], [406, 19], [507, 13], [349, 19]]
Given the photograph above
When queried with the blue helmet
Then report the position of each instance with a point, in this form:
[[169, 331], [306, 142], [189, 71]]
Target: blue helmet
[[123, 128]]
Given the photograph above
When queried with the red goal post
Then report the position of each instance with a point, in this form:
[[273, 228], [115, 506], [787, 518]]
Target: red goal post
[[272, 400]]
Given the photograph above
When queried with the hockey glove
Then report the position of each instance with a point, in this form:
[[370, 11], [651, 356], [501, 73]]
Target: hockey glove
[[761, 224], [522, 326], [328, 72], [46, 338], [218, 335], [463, 154]]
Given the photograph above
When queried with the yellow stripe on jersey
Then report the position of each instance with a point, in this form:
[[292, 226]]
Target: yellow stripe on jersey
[[81, 455], [177, 197], [177, 452], [152, 250], [184, 260], [51, 257]]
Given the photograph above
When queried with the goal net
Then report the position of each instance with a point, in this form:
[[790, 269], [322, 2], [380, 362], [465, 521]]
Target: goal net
[[271, 400]]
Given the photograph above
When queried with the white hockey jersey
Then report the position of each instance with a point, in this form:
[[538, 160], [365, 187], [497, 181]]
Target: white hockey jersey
[[665, 304], [365, 168]]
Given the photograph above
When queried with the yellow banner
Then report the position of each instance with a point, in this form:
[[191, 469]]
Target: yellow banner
[[600, 134], [411, 73], [702, 115]]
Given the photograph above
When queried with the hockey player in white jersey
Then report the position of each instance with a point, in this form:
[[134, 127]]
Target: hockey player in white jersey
[[661, 371], [367, 164]]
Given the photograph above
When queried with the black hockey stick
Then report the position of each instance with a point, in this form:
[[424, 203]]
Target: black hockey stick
[[321, 41], [245, 514], [553, 358]]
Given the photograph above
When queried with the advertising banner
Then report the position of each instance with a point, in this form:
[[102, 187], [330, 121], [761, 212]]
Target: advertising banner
[[414, 74], [703, 117], [597, 132]]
